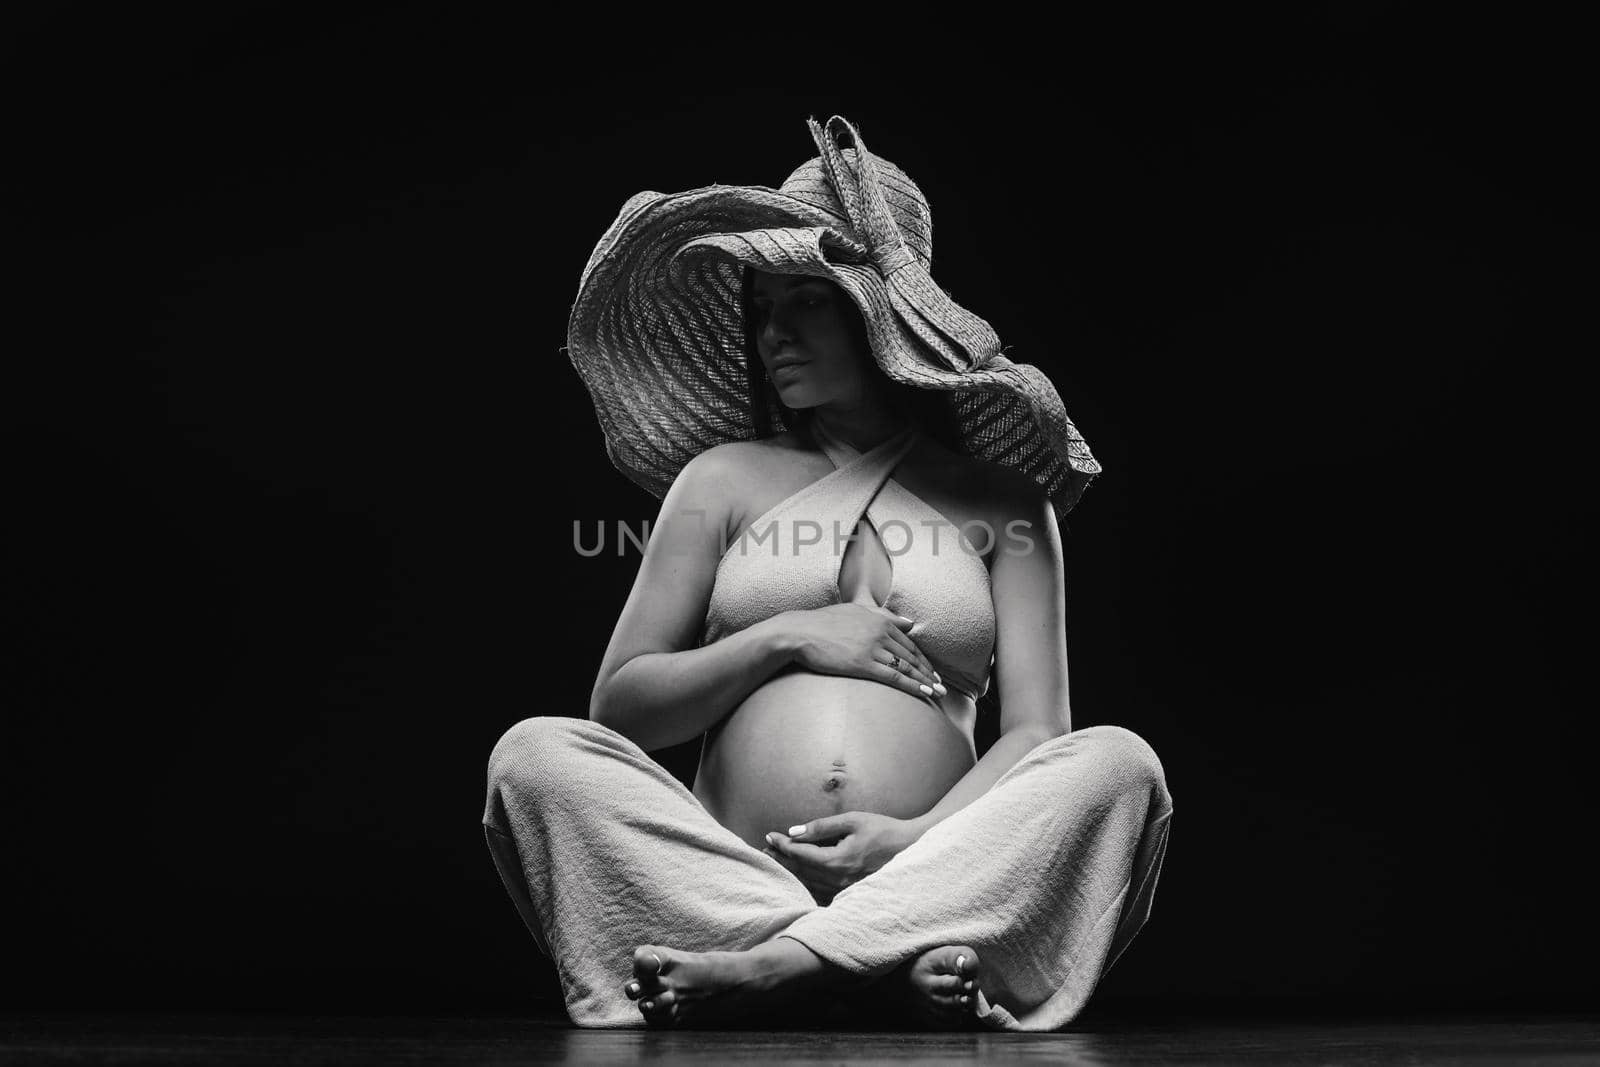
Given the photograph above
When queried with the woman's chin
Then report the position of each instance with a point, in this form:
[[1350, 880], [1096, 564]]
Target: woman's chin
[[797, 398]]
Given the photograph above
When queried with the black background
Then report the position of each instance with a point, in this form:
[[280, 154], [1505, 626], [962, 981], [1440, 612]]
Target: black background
[[293, 457]]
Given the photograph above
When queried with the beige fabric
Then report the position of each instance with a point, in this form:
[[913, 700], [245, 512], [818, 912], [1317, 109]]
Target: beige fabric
[[791, 557], [1048, 876]]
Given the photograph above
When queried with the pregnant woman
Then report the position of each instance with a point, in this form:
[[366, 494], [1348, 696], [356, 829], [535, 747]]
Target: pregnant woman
[[858, 532]]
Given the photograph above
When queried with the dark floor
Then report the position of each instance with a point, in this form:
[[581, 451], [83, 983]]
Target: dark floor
[[1162, 1037]]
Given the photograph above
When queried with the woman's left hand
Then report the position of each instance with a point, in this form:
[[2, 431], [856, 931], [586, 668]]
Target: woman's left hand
[[836, 851]]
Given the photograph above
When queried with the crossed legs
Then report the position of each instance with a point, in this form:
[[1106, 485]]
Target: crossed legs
[[614, 866]]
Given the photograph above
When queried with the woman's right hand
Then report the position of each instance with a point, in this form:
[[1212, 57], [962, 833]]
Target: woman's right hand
[[862, 641]]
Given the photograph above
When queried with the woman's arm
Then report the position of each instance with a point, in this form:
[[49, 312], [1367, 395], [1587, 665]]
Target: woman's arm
[[1030, 603], [658, 699], [654, 686]]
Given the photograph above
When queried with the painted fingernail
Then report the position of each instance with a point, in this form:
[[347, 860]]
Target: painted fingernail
[[648, 1005], [770, 840], [927, 691], [796, 831], [961, 962], [942, 689], [968, 985], [633, 989], [936, 677], [965, 999]]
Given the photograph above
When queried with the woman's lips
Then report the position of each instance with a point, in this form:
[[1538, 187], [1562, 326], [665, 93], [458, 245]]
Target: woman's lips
[[793, 364]]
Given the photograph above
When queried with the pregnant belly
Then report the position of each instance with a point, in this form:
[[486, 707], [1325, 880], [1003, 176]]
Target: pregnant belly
[[805, 745]]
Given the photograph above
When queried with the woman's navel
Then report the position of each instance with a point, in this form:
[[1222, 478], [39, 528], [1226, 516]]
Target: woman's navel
[[835, 778]]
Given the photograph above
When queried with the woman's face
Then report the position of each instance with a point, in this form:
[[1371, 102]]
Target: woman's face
[[808, 333]]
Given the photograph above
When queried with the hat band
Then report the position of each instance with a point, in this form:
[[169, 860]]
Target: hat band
[[893, 257]]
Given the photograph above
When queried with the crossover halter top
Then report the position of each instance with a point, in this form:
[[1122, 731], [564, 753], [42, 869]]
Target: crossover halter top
[[791, 558]]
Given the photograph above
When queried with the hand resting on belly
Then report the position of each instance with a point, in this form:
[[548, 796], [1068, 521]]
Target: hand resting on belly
[[820, 739]]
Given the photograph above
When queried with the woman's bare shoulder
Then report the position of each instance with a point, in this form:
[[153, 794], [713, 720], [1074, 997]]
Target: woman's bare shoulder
[[749, 458], [737, 471]]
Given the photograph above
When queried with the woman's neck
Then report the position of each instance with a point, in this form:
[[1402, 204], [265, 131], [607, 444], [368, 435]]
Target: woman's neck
[[863, 428]]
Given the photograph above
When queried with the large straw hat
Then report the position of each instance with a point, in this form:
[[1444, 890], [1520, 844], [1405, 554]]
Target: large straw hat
[[658, 333]]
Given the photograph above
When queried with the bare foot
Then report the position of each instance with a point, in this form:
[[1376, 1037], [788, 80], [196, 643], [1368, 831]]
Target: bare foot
[[722, 989], [937, 990]]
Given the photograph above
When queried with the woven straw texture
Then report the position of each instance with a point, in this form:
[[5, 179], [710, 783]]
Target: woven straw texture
[[657, 330]]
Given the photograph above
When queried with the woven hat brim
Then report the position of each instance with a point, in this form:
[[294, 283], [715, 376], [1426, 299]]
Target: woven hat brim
[[657, 335], [995, 403], [629, 320]]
